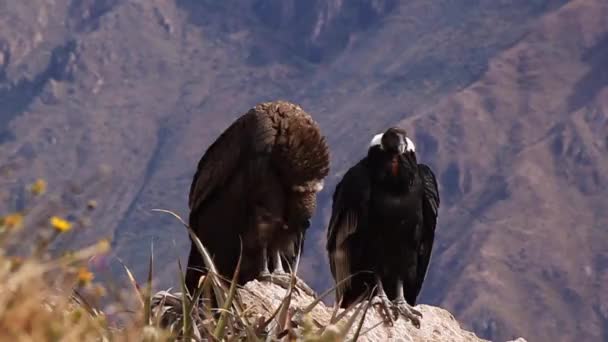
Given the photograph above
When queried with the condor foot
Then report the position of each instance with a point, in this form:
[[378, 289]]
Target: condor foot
[[402, 308], [283, 280], [384, 308]]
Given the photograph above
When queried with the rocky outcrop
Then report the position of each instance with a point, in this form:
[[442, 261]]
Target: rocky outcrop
[[262, 300], [436, 325]]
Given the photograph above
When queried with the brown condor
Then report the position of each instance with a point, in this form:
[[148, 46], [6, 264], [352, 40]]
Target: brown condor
[[257, 183]]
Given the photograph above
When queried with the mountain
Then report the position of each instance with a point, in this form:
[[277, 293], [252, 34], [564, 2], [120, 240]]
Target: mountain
[[117, 100], [522, 154]]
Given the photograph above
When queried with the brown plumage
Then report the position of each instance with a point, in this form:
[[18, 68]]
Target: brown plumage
[[257, 181]]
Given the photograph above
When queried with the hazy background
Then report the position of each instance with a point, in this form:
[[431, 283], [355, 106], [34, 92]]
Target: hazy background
[[507, 100]]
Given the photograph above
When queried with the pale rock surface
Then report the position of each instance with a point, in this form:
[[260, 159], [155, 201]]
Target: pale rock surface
[[436, 325]]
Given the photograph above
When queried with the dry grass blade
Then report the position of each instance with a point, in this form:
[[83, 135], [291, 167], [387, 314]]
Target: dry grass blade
[[204, 289], [252, 336], [186, 306], [346, 328], [207, 258], [147, 295], [299, 256], [361, 321], [133, 282], [159, 314], [283, 311], [200, 290], [219, 291], [334, 313], [262, 327], [332, 319], [372, 328], [279, 315], [80, 300], [221, 324], [359, 300], [314, 303], [283, 315]]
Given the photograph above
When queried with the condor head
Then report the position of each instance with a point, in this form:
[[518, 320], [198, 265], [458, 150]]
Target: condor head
[[395, 144], [394, 141]]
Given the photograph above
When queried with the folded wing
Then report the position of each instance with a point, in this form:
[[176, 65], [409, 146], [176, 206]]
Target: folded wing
[[430, 207], [349, 211], [253, 132]]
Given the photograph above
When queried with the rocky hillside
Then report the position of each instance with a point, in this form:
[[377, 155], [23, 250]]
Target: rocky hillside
[[523, 154], [116, 100]]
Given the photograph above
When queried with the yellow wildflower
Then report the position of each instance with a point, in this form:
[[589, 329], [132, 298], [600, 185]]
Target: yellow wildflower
[[84, 276], [60, 224], [103, 245], [13, 220], [39, 187]]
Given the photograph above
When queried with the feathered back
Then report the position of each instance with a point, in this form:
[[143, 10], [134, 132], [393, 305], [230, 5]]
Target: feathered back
[[284, 130], [300, 151]]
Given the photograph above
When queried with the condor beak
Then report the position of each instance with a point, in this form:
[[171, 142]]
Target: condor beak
[[402, 145]]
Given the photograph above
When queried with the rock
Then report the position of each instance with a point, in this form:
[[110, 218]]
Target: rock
[[262, 299], [436, 324]]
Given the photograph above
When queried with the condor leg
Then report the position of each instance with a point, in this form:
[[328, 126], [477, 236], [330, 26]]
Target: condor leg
[[381, 303], [283, 279], [278, 265], [264, 273], [401, 307]]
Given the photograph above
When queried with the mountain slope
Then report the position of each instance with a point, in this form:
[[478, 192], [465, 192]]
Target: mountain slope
[[523, 159], [117, 101]]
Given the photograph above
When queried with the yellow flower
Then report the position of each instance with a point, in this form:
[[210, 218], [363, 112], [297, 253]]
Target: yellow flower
[[39, 187], [60, 224], [13, 220], [103, 245], [84, 276]]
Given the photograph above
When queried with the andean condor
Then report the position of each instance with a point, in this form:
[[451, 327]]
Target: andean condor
[[257, 183], [382, 226]]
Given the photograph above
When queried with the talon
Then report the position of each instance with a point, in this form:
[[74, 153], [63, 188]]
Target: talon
[[407, 311], [284, 280], [383, 306], [277, 273]]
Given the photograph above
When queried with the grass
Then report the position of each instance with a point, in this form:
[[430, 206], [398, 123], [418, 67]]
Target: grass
[[56, 298]]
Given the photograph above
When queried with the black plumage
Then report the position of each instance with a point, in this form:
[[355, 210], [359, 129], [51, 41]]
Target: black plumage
[[257, 183], [382, 226]]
